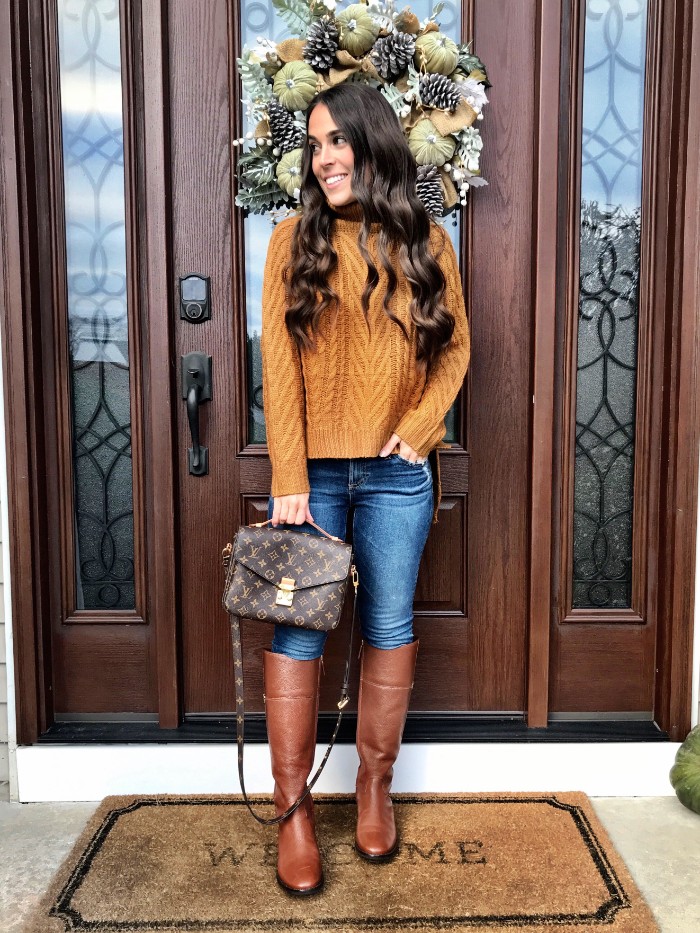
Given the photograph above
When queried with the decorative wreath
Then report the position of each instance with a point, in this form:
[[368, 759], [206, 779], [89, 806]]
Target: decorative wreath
[[435, 86]]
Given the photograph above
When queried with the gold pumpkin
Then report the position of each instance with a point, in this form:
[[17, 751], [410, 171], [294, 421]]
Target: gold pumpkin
[[295, 85], [436, 52], [288, 171], [357, 29], [428, 146]]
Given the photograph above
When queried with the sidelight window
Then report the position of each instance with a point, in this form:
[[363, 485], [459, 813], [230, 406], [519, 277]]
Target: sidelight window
[[608, 301], [96, 285]]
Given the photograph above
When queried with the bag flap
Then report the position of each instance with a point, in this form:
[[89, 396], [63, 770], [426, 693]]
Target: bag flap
[[310, 560]]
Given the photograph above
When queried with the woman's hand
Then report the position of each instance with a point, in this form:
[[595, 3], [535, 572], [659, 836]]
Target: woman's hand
[[408, 453], [292, 510]]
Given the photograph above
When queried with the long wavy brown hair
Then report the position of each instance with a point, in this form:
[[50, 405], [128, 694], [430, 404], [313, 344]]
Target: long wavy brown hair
[[384, 183]]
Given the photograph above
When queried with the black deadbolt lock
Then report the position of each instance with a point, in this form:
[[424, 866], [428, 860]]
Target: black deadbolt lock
[[195, 304]]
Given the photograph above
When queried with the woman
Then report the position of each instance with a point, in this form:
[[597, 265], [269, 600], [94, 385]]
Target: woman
[[365, 344]]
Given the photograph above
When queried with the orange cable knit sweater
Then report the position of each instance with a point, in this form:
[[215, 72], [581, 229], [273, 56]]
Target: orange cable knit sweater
[[361, 385]]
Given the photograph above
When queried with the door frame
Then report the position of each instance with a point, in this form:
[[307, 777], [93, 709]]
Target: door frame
[[669, 516], [26, 266]]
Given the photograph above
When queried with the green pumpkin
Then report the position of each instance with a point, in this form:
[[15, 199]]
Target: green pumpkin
[[288, 171], [436, 52], [295, 85], [358, 29], [685, 773], [428, 146]]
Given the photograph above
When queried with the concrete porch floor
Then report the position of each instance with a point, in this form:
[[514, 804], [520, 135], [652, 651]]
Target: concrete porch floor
[[658, 838]]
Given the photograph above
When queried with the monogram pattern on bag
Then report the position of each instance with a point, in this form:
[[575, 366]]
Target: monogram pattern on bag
[[261, 557], [319, 588]]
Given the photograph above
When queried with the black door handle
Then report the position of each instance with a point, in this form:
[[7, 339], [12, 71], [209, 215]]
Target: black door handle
[[193, 395], [196, 388]]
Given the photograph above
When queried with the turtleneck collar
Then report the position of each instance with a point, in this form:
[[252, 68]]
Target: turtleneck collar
[[349, 216], [352, 211]]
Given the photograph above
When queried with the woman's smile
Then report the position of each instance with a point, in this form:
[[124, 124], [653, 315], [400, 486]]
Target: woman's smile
[[334, 180]]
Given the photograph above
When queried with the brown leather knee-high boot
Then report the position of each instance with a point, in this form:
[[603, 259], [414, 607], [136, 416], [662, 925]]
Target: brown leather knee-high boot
[[386, 681], [291, 711]]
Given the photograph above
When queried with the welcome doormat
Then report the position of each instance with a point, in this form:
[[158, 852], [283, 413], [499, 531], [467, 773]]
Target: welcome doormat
[[497, 862]]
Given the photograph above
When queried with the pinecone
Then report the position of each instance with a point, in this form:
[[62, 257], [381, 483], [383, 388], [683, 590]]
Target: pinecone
[[285, 135], [439, 91], [429, 189], [391, 54], [321, 43]]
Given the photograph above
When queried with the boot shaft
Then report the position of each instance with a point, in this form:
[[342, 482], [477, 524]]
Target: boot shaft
[[291, 694], [386, 683]]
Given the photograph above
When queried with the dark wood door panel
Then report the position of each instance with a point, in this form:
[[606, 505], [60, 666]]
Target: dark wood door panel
[[117, 671], [199, 43], [607, 668], [442, 578], [470, 603]]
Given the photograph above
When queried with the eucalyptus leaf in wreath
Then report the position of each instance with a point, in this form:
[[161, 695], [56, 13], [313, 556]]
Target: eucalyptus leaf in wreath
[[468, 63], [394, 96], [260, 200], [253, 77], [296, 14], [469, 148], [257, 167], [685, 773]]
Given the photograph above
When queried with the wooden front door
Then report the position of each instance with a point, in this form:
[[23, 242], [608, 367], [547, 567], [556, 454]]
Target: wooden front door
[[194, 275], [471, 604]]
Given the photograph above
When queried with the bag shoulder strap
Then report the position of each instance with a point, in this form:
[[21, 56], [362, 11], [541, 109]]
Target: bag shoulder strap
[[240, 712]]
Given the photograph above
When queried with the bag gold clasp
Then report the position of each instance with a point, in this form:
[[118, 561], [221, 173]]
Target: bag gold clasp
[[285, 593]]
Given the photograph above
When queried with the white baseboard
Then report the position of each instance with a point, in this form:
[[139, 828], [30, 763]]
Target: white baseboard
[[91, 772]]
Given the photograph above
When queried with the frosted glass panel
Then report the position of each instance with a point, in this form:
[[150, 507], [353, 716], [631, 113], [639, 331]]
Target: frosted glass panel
[[611, 193], [93, 168], [260, 19]]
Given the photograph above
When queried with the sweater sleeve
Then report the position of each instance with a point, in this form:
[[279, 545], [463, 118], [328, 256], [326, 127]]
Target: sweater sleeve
[[283, 381], [423, 427]]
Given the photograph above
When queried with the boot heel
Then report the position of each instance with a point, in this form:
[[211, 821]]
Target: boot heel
[[299, 892]]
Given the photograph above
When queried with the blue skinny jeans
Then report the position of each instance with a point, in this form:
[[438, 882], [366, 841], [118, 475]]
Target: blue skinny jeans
[[392, 501]]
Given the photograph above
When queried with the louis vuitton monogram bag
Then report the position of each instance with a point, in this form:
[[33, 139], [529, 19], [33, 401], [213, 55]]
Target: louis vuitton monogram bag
[[286, 577]]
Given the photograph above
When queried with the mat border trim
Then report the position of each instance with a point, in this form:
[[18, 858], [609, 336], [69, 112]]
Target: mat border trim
[[605, 913]]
